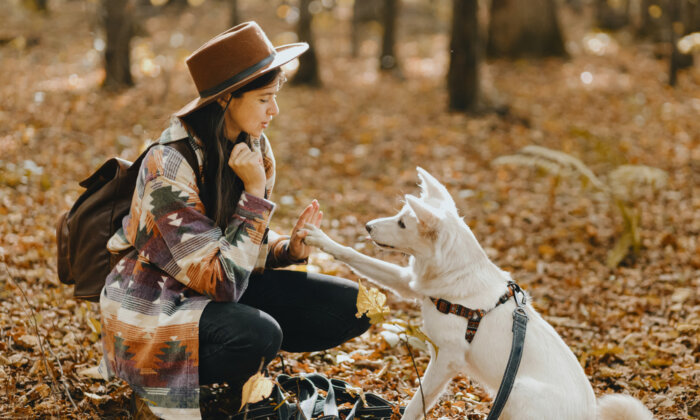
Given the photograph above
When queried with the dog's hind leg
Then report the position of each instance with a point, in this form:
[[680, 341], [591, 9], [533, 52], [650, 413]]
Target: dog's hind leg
[[437, 375]]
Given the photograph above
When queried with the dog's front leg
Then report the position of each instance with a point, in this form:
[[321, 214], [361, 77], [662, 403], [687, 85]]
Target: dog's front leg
[[437, 375], [385, 274]]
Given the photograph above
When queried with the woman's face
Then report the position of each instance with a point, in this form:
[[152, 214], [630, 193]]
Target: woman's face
[[252, 112]]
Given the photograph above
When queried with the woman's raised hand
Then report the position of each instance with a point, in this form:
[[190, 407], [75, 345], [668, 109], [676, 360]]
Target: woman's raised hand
[[248, 165], [312, 214]]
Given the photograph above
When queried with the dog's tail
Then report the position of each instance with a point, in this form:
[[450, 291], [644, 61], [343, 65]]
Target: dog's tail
[[621, 407]]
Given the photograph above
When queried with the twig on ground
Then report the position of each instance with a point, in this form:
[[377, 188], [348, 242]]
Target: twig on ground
[[63, 380], [420, 383], [54, 386], [386, 367], [373, 364]]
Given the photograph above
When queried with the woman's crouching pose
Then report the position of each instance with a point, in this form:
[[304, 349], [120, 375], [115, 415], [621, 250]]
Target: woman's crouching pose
[[198, 300]]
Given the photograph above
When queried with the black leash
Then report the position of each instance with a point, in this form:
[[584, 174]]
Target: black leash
[[474, 317], [516, 354]]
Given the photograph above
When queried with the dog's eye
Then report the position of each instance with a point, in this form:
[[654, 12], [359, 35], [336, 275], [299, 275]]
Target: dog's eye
[[403, 226]]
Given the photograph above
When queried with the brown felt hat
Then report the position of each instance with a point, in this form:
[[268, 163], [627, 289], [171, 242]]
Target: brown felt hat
[[233, 58]]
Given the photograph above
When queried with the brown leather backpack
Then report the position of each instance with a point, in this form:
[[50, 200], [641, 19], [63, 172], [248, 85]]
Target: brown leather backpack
[[83, 231]]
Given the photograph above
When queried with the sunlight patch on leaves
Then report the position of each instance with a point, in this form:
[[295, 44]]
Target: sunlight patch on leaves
[[624, 188]]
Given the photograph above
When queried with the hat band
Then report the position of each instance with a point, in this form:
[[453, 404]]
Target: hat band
[[237, 77]]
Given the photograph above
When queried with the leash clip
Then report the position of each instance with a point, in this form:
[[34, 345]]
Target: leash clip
[[519, 312]]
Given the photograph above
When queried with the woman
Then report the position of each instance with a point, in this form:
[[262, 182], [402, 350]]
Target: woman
[[197, 301]]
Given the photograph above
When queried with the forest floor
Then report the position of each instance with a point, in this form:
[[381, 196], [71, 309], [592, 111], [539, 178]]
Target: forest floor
[[353, 145]]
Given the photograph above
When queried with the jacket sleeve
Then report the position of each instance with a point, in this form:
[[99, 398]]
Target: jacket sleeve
[[213, 263]]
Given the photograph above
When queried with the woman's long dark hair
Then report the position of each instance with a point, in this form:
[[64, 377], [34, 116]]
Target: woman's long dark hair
[[222, 187]]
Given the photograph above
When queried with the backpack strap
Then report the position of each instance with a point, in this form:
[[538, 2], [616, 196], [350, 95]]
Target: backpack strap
[[186, 149]]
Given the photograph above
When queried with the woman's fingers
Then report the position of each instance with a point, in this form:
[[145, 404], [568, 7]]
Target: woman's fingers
[[308, 214], [242, 155], [303, 217], [248, 165], [239, 149]]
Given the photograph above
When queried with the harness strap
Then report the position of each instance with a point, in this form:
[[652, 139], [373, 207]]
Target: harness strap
[[516, 354], [473, 315], [519, 328]]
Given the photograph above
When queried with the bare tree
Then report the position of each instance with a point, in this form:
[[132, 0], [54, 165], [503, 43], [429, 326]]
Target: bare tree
[[118, 22], [653, 21], [308, 63], [178, 4], [524, 28], [682, 15], [38, 5], [463, 74], [235, 15], [693, 16], [576, 5], [612, 14], [387, 60], [363, 11]]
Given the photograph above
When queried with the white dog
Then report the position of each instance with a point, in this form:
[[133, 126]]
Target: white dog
[[448, 263]]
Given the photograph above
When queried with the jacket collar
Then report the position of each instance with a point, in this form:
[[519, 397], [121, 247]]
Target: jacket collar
[[175, 131]]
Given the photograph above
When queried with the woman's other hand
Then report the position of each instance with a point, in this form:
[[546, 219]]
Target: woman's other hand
[[248, 165], [312, 214]]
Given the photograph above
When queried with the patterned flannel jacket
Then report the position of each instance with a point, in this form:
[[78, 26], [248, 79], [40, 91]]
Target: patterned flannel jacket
[[155, 295]]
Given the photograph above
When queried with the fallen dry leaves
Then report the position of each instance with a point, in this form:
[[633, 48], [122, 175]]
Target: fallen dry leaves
[[354, 146]]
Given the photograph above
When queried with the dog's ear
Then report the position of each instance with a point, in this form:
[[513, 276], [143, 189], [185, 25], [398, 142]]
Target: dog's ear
[[432, 188], [427, 215]]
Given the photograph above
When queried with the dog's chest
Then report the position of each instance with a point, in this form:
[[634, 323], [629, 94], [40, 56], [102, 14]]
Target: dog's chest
[[443, 329]]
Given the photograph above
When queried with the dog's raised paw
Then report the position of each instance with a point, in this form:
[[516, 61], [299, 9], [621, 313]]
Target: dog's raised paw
[[315, 236]]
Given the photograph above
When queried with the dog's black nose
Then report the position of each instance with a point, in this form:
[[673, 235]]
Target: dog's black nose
[[368, 227]]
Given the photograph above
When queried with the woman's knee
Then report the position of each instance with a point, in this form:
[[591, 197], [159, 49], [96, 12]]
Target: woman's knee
[[260, 334], [266, 336], [238, 328]]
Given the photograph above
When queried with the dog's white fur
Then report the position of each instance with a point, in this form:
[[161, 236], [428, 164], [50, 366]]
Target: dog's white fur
[[447, 262]]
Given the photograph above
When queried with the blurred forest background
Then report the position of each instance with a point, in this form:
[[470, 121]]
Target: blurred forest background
[[567, 131]]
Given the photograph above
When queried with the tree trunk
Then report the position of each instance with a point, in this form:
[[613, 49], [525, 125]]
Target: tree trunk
[[119, 27], [178, 4], [693, 16], [235, 16], [524, 28], [576, 6], [463, 74], [39, 5], [362, 11], [680, 14], [612, 14], [684, 24], [653, 18], [308, 63], [387, 61]]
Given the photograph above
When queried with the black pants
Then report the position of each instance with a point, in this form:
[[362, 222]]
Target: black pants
[[289, 310]]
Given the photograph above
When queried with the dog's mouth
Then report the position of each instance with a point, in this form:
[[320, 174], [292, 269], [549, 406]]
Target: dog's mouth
[[380, 244]]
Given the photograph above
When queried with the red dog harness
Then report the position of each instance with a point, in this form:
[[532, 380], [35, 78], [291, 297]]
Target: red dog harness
[[474, 315]]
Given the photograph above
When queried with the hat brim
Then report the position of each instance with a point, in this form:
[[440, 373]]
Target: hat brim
[[285, 54]]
